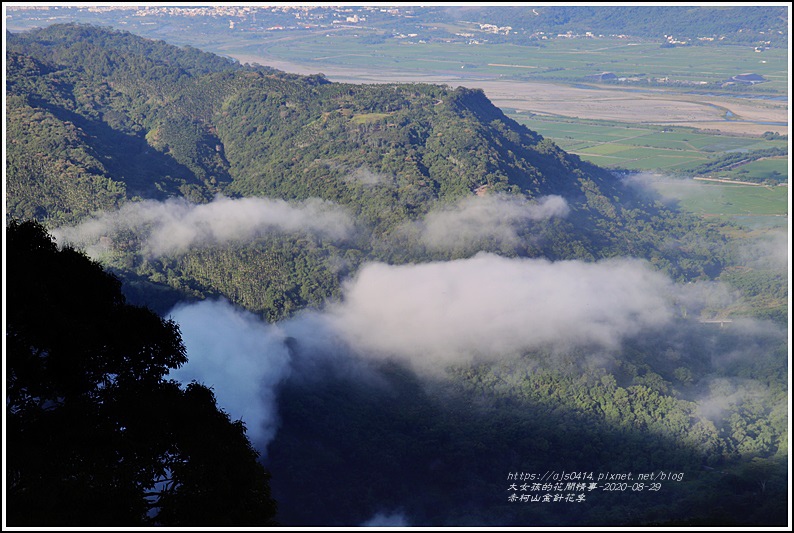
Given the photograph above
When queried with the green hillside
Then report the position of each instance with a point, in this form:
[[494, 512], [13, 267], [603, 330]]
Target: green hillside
[[376, 210], [99, 118]]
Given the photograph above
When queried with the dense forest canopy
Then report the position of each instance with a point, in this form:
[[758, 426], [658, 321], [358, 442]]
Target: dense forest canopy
[[388, 153], [421, 291], [97, 436]]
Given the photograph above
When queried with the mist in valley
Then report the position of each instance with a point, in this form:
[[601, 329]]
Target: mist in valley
[[434, 318]]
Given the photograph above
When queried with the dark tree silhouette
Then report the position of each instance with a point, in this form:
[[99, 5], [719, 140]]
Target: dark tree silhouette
[[96, 434]]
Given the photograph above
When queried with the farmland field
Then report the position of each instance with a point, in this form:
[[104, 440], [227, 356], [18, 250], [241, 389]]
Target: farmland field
[[647, 147], [746, 204], [726, 199], [558, 59], [764, 168]]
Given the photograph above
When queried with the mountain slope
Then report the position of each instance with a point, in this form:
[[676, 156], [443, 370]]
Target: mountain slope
[[99, 118], [358, 212]]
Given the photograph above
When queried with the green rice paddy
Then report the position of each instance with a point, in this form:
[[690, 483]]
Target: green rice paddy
[[557, 59], [636, 147]]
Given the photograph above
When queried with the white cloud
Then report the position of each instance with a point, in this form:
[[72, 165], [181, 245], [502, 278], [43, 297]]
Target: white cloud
[[175, 225], [497, 218], [489, 306]]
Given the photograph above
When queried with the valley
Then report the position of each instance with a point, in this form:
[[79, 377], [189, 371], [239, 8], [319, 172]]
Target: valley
[[409, 253]]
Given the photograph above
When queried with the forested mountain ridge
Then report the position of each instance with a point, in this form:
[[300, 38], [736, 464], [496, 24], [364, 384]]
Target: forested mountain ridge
[[438, 141], [401, 186], [99, 117], [89, 119]]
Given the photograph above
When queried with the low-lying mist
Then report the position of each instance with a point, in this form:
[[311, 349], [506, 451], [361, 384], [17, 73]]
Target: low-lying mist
[[494, 218], [431, 316], [175, 225], [427, 316]]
